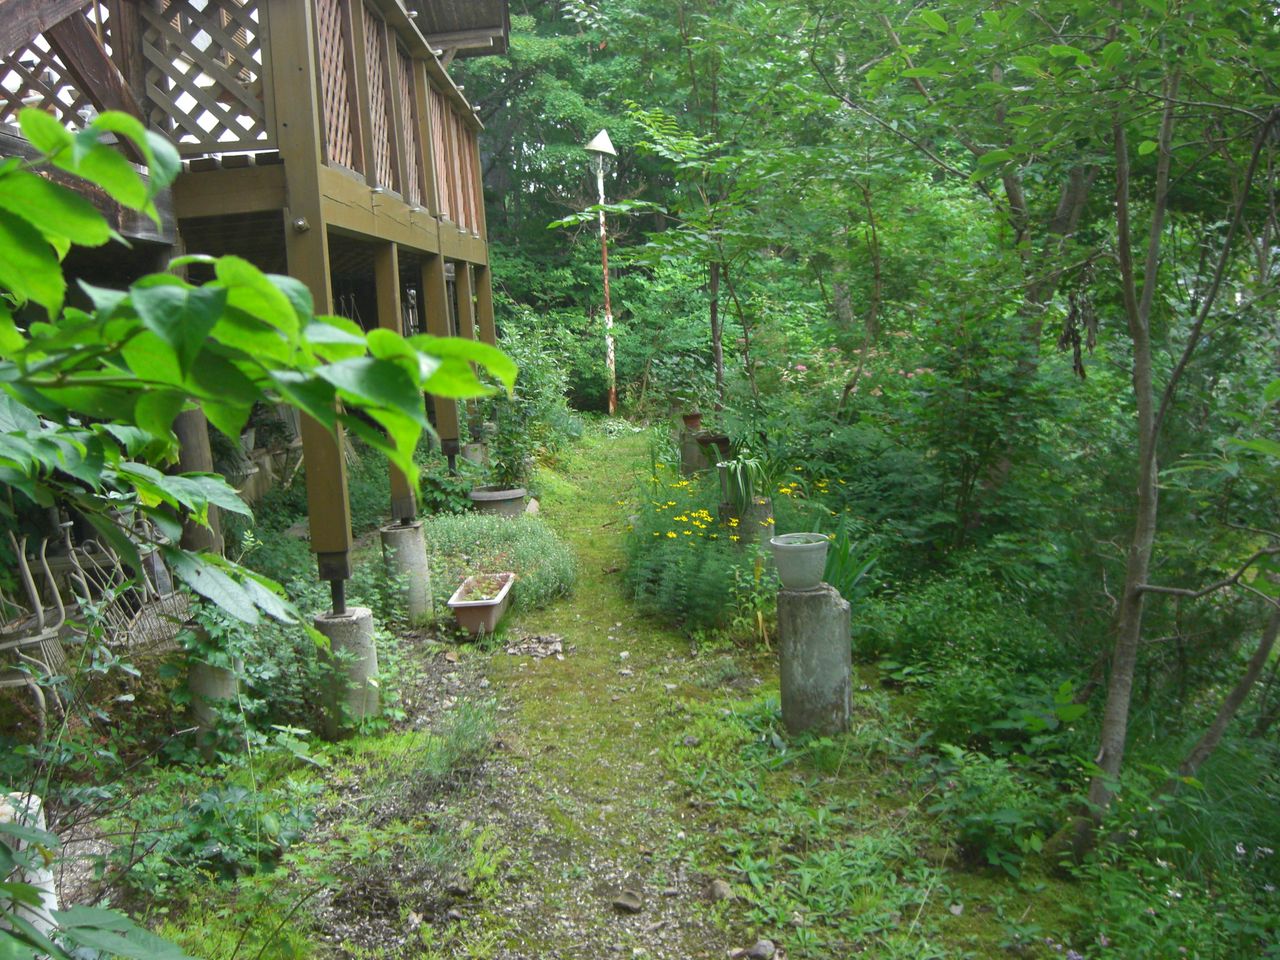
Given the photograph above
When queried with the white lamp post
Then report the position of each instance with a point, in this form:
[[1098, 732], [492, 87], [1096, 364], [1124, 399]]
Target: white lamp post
[[601, 146]]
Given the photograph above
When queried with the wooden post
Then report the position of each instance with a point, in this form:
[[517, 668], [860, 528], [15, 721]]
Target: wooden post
[[484, 304], [386, 278], [436, 309], [298, 117], [194, 456], [465, 286]]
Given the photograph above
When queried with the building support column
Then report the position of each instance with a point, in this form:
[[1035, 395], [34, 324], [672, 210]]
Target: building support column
[[386, 278], [294, 69], [484, 304], [436, 293]]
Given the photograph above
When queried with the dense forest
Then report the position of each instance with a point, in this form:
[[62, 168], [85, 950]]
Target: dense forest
[[1002, 279]]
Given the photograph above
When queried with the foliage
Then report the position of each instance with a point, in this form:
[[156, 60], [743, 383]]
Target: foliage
[[464, 544], [137, 358]]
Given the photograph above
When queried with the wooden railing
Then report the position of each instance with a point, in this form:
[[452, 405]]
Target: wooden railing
[[199, 71]]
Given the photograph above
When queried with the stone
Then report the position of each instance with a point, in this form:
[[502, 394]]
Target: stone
[[816, 660], [692, 741], [719, 890], [761, 950], [628, 901], [534, 507]]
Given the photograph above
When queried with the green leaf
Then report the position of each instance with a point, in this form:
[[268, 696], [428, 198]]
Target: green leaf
[[935, 20], [28, 266], [53, 209], [1146, 147], [381, 382], [1272, 392], [251, 290], [1113, 54], [115, 934], [45, 132], [181, 317], [206, 579], [11, 338]]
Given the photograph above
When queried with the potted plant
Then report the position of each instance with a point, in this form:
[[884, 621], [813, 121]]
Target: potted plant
[[743, 481], [800, 558], [510, 461], [481, 602]]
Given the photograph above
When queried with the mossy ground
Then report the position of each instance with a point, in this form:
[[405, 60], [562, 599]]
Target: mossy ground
[[638, 762]]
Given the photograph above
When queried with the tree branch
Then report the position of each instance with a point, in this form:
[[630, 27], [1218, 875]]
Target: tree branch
[[1213, 587]]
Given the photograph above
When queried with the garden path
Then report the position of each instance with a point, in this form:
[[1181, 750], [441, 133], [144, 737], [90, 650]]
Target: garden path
[[580, 794]]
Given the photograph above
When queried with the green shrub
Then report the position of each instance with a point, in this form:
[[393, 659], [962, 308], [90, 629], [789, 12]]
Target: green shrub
[[463, 544]]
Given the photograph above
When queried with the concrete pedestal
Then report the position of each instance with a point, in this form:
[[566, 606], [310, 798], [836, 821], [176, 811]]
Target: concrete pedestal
[[27, 810], [212, 689], [353, 694], [692, 457], [404, 551], [817, 660]]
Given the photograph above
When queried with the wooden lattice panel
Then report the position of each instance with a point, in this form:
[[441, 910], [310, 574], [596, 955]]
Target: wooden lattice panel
[[440, 154], [375, 56], [335, 86], [34, 76], [473, 179], [412, 157], [207, 61]]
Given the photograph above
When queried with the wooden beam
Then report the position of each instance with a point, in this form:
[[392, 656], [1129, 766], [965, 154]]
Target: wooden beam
[[436, 292], [75, 42], [293, 69], [386, 279], [21, 21], [215, 193], [465, 287], [484, 305]]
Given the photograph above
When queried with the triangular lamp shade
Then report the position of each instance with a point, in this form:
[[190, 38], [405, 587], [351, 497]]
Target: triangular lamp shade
[[601, 143]]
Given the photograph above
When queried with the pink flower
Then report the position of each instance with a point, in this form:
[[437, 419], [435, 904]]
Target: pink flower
[[801, 368]]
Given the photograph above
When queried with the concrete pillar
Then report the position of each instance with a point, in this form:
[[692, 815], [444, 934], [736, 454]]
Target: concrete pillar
[[692, 457], [212, 688], [817, 660], [27, 810], [353, 694], [404, 551]]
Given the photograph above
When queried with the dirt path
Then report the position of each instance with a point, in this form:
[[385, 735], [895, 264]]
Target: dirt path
[[579, 793]]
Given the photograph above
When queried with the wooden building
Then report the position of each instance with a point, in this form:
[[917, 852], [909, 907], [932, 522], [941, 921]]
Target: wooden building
[[321, 138]]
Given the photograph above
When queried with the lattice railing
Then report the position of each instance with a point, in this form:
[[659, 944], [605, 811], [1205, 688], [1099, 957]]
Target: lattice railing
[[375, 55], [207, 63], [34, 76], [412, 157], [340, 132], [455, 154]]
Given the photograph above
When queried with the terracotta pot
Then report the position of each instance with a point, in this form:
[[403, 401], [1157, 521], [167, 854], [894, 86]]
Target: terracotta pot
[[692, 421], [481, 615]]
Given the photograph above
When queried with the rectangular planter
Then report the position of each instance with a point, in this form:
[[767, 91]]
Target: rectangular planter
[[481, 616]]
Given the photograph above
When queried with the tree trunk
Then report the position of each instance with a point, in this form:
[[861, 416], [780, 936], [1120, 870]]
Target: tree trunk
[[717, 331], [1231, 703], [1128, 628], [194, 456]]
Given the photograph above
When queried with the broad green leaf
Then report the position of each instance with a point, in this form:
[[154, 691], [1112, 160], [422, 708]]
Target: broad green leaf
[[28, 266], [11, 338], [1146, 147], [156, 410], [935, 20], [497, 363], [114, 933], [181, 317], [206, 579], [53, 209], [1272, 392], [381, 382], [45, 132], [251, 290]]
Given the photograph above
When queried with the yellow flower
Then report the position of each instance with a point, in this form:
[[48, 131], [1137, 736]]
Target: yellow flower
[[734, 537], [671, 534], [733, 521], [688, 533], [767, 522]]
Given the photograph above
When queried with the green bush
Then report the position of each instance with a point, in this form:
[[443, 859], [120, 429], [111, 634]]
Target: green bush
[[463, 544]]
